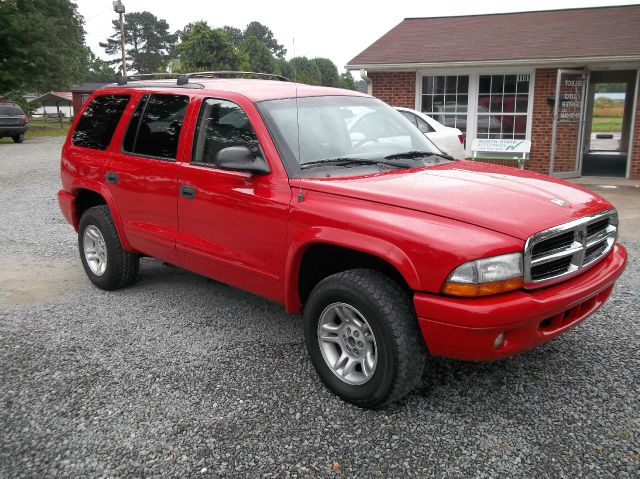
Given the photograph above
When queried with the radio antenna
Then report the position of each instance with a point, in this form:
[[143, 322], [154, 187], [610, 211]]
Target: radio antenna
[[295, 80]]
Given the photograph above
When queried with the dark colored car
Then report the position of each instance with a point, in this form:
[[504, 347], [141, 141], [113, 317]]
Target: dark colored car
[[13, 122]]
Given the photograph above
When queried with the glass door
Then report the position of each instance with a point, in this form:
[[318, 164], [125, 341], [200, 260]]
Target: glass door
[[568, 123]]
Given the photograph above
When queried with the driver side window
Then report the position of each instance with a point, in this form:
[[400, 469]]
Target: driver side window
[[221, 124]]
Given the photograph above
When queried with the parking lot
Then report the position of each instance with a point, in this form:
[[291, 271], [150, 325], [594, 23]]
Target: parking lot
[[180, 375]]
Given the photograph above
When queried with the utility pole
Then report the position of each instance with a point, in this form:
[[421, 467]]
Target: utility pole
[[118, 7]]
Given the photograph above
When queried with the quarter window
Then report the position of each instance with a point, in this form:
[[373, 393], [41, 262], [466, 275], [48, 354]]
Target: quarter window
[[154, 129], [445, 99], [222, 124], [99, 120], [503, 101]]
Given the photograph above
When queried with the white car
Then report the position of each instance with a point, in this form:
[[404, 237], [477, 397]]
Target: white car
[[448, 140]]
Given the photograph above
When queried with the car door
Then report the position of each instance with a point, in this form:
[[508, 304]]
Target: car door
[[233, 224], [142, 176]]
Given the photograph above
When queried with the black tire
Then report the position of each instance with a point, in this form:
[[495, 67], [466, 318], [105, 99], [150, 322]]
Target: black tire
[[121, 266], [18, 138], [400, 349]]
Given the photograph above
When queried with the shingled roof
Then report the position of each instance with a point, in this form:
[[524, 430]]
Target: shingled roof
[[555, 34]]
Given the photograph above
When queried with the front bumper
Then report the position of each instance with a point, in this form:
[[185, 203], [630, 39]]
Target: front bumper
[[467, 328]]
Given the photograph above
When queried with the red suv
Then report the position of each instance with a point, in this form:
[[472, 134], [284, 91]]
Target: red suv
[[335, 205]]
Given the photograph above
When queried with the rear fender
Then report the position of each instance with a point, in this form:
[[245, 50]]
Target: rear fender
[[99, 188]]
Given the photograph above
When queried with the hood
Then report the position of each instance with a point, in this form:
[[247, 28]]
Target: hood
[[510, 201]]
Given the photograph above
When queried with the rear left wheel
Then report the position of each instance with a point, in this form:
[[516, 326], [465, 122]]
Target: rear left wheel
[[105, 261]]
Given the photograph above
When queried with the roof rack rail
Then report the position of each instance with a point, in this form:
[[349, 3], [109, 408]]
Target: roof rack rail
[[183, 78], [122, 80]]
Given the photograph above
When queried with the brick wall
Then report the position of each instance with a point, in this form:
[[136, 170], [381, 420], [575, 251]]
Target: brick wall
[[395, 88]]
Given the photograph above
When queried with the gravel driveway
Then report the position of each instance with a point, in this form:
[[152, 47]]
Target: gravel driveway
[[181, 376]]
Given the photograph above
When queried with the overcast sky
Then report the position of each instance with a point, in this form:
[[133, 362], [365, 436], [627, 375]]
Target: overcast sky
[[338, 30]]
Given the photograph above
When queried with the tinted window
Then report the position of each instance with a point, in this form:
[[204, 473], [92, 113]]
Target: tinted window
[[10, 110], [222, 124], [154, 129], [99, 121]]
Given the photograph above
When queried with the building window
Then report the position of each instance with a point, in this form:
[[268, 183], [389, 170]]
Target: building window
[[503, 101], [445, 99]]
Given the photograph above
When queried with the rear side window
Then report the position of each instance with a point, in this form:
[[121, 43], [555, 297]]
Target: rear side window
[[154, 129], [222, 124], [99, 121]]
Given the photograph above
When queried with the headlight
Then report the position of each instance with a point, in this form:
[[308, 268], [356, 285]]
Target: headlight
[[486, 276]]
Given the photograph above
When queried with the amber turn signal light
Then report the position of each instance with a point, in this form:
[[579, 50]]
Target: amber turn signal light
[[470, 290]]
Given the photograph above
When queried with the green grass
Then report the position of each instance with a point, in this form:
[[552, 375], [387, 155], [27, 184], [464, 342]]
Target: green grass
[[39, 128], [607, 124]]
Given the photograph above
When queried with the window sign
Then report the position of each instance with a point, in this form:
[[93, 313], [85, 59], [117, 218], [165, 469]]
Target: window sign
[[570, 97]]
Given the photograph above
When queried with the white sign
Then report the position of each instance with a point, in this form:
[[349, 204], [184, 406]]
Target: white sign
[[505, 146]]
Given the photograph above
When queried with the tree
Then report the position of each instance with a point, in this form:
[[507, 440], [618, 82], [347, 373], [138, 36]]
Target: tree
[[304, 70], [328, 72], [204, 48], [148, 43], [347, 81], [234, 35], [264, 34], [283, 67], [260, 57], [99, 70], [41, 45]]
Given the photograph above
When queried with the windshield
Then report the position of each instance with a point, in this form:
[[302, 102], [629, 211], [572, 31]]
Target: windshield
[[315, 133]]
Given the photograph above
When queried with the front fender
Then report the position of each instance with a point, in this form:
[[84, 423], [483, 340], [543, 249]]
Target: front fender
[[347, 239]]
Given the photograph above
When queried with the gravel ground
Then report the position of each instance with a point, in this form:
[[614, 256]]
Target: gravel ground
[[182, 376]]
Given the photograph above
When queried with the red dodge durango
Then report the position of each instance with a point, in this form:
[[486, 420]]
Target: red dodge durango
[[332, 203]]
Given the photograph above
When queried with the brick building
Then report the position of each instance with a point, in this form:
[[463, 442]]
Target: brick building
[[530, 75]]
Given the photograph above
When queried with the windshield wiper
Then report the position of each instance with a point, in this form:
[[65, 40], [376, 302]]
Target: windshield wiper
[[418, 154], [340, 162]]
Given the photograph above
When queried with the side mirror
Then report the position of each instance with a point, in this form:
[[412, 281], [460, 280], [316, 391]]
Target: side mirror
[[240, 158]]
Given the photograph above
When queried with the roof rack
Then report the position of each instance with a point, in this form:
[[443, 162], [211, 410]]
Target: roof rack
[[183, 78]]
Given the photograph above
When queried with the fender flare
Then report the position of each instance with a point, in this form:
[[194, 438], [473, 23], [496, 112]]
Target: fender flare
[[100, 189], [371, 245]]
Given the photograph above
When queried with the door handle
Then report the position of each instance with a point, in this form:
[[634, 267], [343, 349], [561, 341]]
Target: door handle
[[187, 191], [111, 177]]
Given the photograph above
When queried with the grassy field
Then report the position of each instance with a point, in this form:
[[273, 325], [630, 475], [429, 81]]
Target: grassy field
[[607, 115], [39, 128], [607, 124]]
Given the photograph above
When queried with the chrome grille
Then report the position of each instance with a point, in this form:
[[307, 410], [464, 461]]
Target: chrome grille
[[564, 251]]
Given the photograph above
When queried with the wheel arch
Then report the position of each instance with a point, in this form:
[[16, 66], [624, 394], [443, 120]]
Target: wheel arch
[[325, 252], [89, 195]]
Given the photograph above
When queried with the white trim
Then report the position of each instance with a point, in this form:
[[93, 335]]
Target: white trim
[[632, 131], [539, 62], [472, 106]]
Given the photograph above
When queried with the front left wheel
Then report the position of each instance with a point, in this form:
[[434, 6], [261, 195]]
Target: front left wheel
[[105, 261], [363, 337]]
